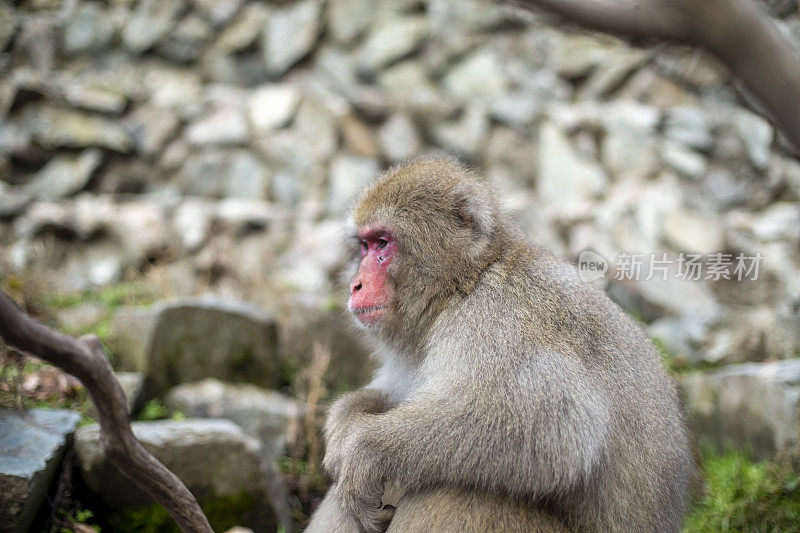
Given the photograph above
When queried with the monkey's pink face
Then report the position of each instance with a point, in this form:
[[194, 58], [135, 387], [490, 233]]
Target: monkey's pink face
[[371, 290]]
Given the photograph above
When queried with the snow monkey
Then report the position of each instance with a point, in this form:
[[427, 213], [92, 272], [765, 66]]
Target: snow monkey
[[511, 396]]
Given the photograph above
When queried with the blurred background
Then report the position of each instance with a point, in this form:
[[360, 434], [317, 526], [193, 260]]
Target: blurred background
[[174, 176]]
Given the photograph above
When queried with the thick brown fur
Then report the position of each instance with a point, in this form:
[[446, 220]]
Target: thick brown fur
[[511, 397]]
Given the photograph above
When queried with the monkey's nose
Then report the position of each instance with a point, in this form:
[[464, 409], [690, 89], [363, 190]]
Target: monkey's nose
[[356, 286]]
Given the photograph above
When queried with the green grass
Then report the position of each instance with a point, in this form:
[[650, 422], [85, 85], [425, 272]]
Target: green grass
[[223, 512], [155, 410], [740, 495], [112, 296]]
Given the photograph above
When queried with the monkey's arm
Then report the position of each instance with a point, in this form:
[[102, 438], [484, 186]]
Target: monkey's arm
[[342, 418], [532, 433]]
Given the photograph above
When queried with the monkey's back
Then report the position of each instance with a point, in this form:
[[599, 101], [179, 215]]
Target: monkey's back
[[538, 301]]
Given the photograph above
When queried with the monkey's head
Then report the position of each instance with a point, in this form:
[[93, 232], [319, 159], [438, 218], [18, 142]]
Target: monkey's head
[[426, 230]]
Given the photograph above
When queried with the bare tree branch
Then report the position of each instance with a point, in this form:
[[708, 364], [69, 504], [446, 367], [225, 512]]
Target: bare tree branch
[[624, 19], [84, 358], [737, 32]]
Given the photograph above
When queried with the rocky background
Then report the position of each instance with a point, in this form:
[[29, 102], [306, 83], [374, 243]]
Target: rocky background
[[167, 149]]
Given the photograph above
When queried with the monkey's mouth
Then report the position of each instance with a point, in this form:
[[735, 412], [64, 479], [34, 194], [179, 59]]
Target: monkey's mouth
[[368, 315]]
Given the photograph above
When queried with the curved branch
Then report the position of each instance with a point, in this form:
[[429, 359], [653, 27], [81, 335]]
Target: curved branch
[[84, 358], [737, 32], [638, 21]]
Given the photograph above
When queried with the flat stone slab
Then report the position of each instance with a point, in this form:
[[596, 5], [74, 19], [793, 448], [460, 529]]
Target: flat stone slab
[[214, 458], [261, 413], [31, 446], [187, 339]]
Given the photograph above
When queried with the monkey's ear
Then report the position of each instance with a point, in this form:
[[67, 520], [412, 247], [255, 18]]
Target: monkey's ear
[[474, 207]]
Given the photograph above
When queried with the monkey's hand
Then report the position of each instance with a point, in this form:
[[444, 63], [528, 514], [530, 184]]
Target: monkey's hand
[[361, 484], [343, 420]]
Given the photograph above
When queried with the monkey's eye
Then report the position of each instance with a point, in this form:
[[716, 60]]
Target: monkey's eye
[[382, 244], [364, 245]]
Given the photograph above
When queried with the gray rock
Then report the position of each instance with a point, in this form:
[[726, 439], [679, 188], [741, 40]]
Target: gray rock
[[79, 319], [43, 216], [89, 28], [149, 23], [35, 43], [787, 170], [516, 110], [55, 128], [629, 155], [242, 214], [203, 173], [13, 137], [290, 35], [565, 179], [683, 160], [272, 106], [186, 42], [679, 296], [681, 335], [781, 8], [95, 265], [224, 125], [689, 126], [317, 252], [479, 76], [213, 458], [244, 30], [612, 72], [409, 87], [261, 413], [470, 16], [31, 446], [292, 156], [723, 188], [185, 340], [349, 173], [132, 329], [399, 138], [629, 117], [316, 124], [754, 333], [14, 203], [192, 221], [779, 221], [757, 136], [697, 70], [348, 19], [173, 88], [151, 128], [756, 406], [8, 24], [219, 174], [95, 97], [65, 175], [511, 159], [689, 231], [465, 135], [132, 384], [218, 12], [245, 177], [389, 40], [141, 229]]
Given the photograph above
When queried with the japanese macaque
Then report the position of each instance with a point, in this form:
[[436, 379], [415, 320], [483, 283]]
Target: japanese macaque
[[511, 396]]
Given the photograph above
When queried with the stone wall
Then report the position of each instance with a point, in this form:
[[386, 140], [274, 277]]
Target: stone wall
[[213, 146]]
